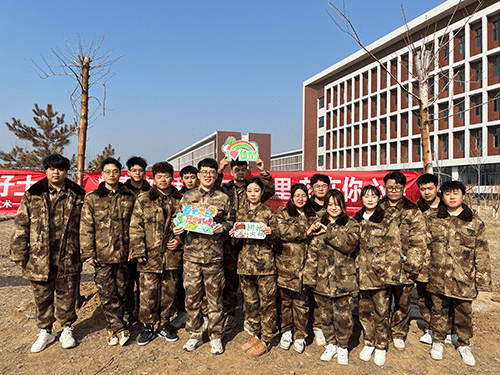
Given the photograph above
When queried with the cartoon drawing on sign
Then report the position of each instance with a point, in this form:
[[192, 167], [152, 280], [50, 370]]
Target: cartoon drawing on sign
[[249, 230], [240, 150], [199, 219]]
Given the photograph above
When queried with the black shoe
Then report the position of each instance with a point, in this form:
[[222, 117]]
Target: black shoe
[[167, 333], [229, 323], [147, 335]]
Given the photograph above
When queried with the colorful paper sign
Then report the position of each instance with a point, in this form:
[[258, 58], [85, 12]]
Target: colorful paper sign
[[240, 150], [199, 219], [249, 230]]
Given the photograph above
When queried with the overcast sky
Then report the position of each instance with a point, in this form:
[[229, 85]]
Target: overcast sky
[[188, 67]]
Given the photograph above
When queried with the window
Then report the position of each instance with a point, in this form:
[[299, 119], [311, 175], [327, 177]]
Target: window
[[496, 30], [446, 51], [431, 86], [321, 122], [461, 44], [431, 113], [394, 125], [321, 160], [478, 106], [460, 138], [321, 141], [394, 150], [404, 119], [444, 143], [496, 103], [418, 147], [478, 71], [478, 137], [496, 137], [461, 110], [321, 102], [461, 77], [496, 66], [446, 114], [479, 37]]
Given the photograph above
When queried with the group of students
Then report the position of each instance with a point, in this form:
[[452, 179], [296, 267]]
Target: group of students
[[313, 260]]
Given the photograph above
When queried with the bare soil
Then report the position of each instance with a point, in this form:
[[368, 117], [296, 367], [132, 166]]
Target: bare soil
[[93, 356]]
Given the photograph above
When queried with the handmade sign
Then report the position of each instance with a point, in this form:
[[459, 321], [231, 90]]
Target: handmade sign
[[199, 219], [241, 150], [249, 230]]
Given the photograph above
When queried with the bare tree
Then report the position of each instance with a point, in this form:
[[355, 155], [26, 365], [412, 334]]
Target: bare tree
[[95, 165], [89, 68]]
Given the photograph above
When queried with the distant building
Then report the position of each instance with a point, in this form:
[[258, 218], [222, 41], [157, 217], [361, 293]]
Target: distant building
[[356, 117], [287, 161], [211, 147]]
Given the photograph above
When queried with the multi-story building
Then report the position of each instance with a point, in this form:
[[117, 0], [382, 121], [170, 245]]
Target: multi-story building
[[356, 116], [287, 161]]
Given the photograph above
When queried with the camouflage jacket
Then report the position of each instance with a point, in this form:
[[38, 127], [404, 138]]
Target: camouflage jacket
[[460, 261], [320, 209], [104, 227], [30, 240], [257, 256], [330, 265], [137, 191], [205, 248], [406, 241], [151, 230], [371, 259], [293, 242], [427, 211]]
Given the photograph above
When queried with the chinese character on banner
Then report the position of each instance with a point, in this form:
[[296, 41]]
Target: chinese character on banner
[[282, 187], [334, 183], [352, 189], [5, 184], [380, 186], [6, 204], [306, 181], [27, 184], [177, 183]]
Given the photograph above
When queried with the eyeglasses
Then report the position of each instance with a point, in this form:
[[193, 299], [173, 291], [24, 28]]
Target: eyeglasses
[[207, 173], [320, 187], [394, 188], [114, 172]]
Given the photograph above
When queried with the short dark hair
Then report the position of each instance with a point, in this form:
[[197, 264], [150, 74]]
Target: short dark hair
[[56, 161], [427, 178], [189, 169], [208, 163], [163, 167], [320, 177], [110, 160], [137, 160], [238, 163], [452, 185], [370, 189], [255, 180], [397, 176]]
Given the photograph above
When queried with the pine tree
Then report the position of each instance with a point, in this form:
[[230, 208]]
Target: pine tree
[[46, 138], [95, 165]]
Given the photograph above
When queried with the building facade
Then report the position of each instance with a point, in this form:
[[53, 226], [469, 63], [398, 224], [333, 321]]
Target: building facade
[[287, 161], [356, 116]]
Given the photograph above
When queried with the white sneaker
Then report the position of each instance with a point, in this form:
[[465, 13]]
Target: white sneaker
[[428, 338], [399, 344], [329, 353], [466, 354], [299, 345], [437, 351], [217, 347], [319, 337], [379, 357], [44, 337], [66, 338], [191, 344], [366, 353], [451, 339], [342, 356], [286, 340]]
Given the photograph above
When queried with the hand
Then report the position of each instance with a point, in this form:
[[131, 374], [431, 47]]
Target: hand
[[260, 164], [178, 231], [173, 244], [223, 164], [92, 262], [218, 228], [21, 263], [141, 260], [316, 229], [231, 232], [267, 231]]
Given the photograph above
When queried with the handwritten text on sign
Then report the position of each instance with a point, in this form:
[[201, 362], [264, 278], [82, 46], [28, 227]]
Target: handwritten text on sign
[[199, 219], [249, 230]]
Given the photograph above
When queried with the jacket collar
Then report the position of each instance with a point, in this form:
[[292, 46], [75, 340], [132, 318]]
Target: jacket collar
[[154, 193], [343, 219], [42, 186], [377, 217], [465, 215], [316, 206], [423, 205], [102, 190], [403, 204], [144, 187]]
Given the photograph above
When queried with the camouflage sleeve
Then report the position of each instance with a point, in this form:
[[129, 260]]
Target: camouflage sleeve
[[274, 238], [417, 242], [268, 182], [310, 271], [87, 229], [229, 215], [289, 232], [482, 261], [176, 208], [423, 275], [137, 247], [19, 244], [344, 239]]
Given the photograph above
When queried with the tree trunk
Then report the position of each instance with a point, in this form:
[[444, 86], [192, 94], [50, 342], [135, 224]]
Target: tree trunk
[[422, 61], [84, 114]]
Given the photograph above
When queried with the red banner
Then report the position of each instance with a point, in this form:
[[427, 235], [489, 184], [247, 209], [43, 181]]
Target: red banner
[[14, 182]]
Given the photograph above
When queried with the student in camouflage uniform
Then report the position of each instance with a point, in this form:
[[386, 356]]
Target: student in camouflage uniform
[[236, 191], [331, 270], [371, 271], [257, 270], [460, 266], [104, 241], [46, 245], [137, 184], [406, 242], [158, 254], [296, 227], [203, 260]]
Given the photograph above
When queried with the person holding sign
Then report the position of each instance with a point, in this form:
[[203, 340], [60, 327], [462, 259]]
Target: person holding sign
[[203, 255], [257, 269]]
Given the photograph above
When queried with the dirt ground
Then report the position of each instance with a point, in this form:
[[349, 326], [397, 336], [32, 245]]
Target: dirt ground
[[94, 356]]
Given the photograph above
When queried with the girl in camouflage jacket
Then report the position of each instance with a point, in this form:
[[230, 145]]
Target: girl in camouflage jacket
[[331, 270]]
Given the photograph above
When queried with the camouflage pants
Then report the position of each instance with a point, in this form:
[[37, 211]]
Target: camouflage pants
[[336, 318], [259, 303], [314, 313], [133, 293], [64, 304], [204, 279], [158, 292], [374, 317], [424, 304], [112, 282], [232, 280], [461, 310], [400, 317], [294, 312]]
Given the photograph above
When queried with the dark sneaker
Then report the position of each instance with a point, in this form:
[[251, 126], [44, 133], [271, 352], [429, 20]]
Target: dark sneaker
[[229, 323], [147, 335], [167, 333]]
